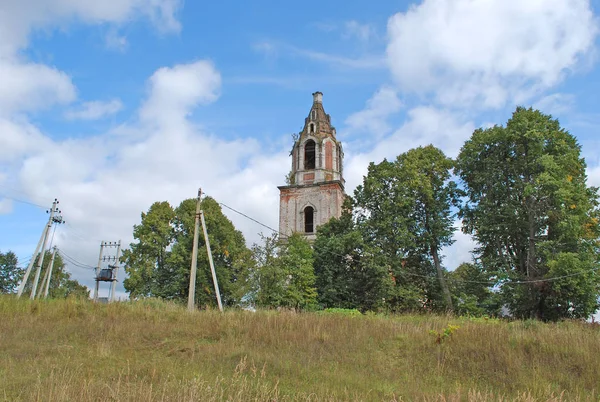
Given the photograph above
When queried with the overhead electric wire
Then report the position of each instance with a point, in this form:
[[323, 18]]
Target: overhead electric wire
[[4, 195], [428, 276], [74, 261]]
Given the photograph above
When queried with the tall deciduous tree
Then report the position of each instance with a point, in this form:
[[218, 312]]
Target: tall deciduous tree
[[61, 283], [347, 275], [284, 275], [159, 262], [10, 272], [405, 211], [146, 260], [533, 215]]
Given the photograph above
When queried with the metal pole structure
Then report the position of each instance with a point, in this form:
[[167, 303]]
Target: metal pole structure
[[31, 262], [193, 268], [43, 252], [49, 272], [210, 261], [98, 271], [114, 279]]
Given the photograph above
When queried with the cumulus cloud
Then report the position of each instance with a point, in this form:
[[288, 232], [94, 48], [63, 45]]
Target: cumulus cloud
[[26, 87], [20, 17], [94, 110], [555, 104], [175, 91], [487, 53], [107, 181], [423, 126], [373, 118]]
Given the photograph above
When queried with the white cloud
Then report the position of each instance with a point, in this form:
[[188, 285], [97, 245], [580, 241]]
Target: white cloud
[[20, 17], [26, 87], [373, 118], [363, 32], [460, 251], [6, 206], [487, 53], [423, 126], [105, 182], [114, 41], [17, 139], [175, 91], [555, 104], [94, 110]]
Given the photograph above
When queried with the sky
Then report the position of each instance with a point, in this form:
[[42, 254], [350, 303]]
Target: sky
[[110, 106]]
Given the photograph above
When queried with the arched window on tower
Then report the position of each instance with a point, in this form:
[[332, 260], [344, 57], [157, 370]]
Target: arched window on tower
[[313, 115], [312, 128], [309, 155], [309, 220]]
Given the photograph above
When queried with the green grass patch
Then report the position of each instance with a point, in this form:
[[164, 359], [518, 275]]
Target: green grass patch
[[155, 351]]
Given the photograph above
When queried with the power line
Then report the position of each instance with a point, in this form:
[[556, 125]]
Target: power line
[[428, 276], [4, 195], [74, 261]]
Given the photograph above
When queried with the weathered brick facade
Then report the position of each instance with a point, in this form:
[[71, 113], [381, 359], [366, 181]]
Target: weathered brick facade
[[316, 189]]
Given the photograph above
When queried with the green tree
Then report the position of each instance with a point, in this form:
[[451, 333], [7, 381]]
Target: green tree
[[159, 262], [268, 275], [471, 291], [61, 283], [10, 272], [347, 275], [145, 260], [232, 259], [533, 215], [283, 274], [405, 211]]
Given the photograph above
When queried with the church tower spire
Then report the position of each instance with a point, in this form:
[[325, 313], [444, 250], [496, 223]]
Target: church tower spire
[[315, 190]]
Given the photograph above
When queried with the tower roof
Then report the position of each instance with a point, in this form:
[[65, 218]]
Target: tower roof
[[317, 123]]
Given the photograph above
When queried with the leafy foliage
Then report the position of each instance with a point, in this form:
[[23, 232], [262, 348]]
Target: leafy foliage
[[159, 262], [533, 216], [10, 272], [284, 275], [61, 283], [404, 211], [347, 275]]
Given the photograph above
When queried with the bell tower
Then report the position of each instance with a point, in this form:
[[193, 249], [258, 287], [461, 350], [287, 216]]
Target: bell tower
[[315, 189]]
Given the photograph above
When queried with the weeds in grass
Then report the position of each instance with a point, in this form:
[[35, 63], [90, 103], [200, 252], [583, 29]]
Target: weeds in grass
[[154, 351]]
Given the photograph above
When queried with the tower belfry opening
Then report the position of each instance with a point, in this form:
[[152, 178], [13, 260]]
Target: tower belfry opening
[[316, 190], [309, 155]]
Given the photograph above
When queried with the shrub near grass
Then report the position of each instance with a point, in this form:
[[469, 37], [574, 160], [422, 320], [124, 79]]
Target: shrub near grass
[[76, 350]]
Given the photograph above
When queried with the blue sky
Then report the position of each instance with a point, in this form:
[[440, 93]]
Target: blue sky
[[110, 106]]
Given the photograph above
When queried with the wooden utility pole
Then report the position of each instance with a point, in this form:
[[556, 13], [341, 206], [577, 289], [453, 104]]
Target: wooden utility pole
[[49, 272], [98, 271], [114, 279], [210, 261], [193, 268]]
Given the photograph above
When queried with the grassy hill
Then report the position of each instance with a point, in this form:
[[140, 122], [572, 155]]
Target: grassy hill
[[153, 351]]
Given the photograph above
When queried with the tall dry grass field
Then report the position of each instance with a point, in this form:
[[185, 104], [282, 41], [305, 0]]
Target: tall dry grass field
[[152, 351]]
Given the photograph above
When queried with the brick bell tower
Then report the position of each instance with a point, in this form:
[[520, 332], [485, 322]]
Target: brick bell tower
[[315, 190]]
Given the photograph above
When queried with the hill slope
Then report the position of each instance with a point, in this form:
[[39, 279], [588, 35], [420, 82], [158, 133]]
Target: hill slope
[[75, 350]]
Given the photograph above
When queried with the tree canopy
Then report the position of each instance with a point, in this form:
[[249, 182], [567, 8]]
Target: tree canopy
[[158, 264], [533, 216]]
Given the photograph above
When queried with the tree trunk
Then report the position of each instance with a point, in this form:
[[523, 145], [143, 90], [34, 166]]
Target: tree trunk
[[440, 274]]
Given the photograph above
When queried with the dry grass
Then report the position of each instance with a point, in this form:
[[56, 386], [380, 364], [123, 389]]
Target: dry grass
[[151, 351]]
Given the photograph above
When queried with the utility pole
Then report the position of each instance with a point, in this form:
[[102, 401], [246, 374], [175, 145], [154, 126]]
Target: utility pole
[[114, 278], [193, 268], [210, 261], [49, 272], [98, 271], [31, 262], [43, 250]]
